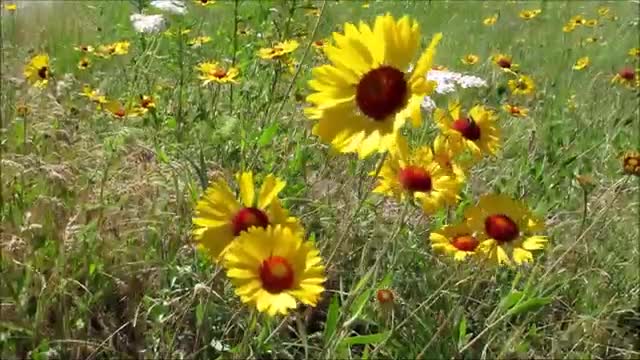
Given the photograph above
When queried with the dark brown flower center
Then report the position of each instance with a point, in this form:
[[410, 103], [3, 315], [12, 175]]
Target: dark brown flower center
[[501, 228], [276, 274], [384, 296], [43, 72], [466, 242], [468, 128], [219, 73], [249, 217], [382, 92], [504, 63], [627, 74], [413, 178]]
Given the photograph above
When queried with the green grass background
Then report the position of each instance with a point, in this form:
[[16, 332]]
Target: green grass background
[[97, 259]]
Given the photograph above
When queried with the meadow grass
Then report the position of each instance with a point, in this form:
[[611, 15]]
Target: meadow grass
[[97, 254]]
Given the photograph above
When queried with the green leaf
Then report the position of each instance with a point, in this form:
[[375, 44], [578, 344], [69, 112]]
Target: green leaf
[[462, 332], [171, 123], [332, 319], [268, 134], [386, 281], [532, 304], [510, 300], [365, 339], [199, 314]]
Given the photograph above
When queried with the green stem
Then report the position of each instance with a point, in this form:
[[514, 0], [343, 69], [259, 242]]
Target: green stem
[[235, 49]]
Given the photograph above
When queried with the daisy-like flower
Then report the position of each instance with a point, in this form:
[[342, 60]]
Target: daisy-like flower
[[591, 23], [278, 50], [470, 59], [272, 268], [631, 163], [522, 85], [475, 131], [93, 94], [198, 41], [529, 14], [10, 7], [116, 108], [634, 52], [319, 44], [171, 6], [117, 48], [204, 2], [212, 71], [490, 21], [515, 111], [220, 218], [582, 63], [407, 175], [457, 240], [577, 20], [627, 77], [507, 225], [603, 11], [445, 155], [504, 62], [366, 95], [145, 104], [37, 71], [84, 63], [84, 48], [147, 24]]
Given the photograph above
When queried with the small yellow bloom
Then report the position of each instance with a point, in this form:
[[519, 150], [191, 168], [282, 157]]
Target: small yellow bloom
[[490, 21], [634, 52], [84, 48], [93, 94], [37, 71], [522, 85], [278, 50], [204, 2], [515, 111], [366, 5], [504, 62], [571, 103], [569, 27], [631, 163], [117, 48], [628, 77], [470, 59], [603, 11], [212, 72], [582, 63], [577, 20], [590, 40], [10, 7], [198, 41], [591, 23], [319, 44], [458, 241], [312, 12], [529, 14], [84, 63]]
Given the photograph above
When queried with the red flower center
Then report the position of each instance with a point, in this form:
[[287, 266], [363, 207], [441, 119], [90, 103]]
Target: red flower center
[[413, 178], [319, 43], [43, 72], [468, 128], [384, 296], [504, 63], [276, 274], [515, 110], [501, 228], [627, 74], [466, 242], [381, 92], [248, 217]]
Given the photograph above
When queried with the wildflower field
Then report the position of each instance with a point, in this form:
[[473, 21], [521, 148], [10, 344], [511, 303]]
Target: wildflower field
[[296, 179]]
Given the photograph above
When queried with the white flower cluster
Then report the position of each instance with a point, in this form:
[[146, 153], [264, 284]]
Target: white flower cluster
[[172, 6], [148, 23], [448, 82]]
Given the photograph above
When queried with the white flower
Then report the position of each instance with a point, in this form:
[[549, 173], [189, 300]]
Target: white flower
[[148, 23], [469, 81], [428, 104], [172, 6], [447, 82]]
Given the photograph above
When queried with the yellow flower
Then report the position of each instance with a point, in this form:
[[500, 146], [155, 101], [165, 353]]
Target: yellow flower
[[516, 111], [529, 14], [634, 52], [10, 7], [508, 226], [476, 132], [117, 48], [204, 2], [569, 27], [627, 77], [273, 268], [84, 48], [416, 175], [212, 72], [582, 63], [591, 23], [365, 96], [456, 240], [37, 71], [490, 21], [522, 85], [631, 163], [245, 31], [220, 218], [504, 62], [147, 102], [470, 59], [577, 20], [84, 63], [93, 95], [445, 155], [198, 41], [366, 5], [116, 108], [314, 11], [590, 40], [603, 11], [319, 44], [278, 50]]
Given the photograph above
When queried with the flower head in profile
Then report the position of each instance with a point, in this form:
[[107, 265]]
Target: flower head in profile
[[220, 217], [631, 163], [582, 63], [504, 62], [591, 23], [278, 50], [569, 27], [273, 268], [577, 20], [214, 72], [147, 24], [84, 63], [198, 41], [457, 240], [94, 95], [116, 48], [204, 2], [319, 44], [628, 77], [529, 14], [171, 6], [522, 85], [470, 59], [37, 71], [490, 21], [516, 111], [510, 229], [84, 48], [416, 176], [369, 90], [476, 131]]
